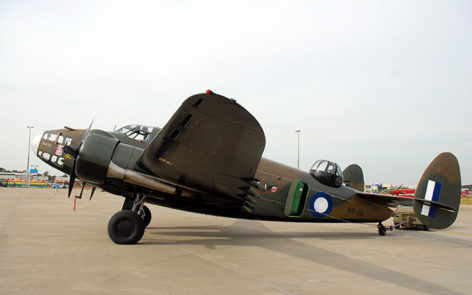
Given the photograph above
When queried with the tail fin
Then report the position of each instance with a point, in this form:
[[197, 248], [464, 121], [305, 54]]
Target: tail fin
[[354, 177], [438, 193]]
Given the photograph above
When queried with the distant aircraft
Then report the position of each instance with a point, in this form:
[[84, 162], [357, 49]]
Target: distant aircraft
[[208, 159], [404, 192]]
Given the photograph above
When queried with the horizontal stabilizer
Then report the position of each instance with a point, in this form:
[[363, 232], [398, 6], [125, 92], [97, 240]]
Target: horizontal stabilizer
[[436, 204], [389, 200]]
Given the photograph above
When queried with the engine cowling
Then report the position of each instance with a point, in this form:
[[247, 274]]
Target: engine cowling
[[94, 156]]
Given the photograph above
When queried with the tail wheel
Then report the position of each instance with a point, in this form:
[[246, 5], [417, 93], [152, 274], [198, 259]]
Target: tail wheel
[[126, 227], [382, 229]]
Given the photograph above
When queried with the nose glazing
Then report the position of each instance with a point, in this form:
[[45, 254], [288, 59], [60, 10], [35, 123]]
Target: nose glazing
[[35, 144]]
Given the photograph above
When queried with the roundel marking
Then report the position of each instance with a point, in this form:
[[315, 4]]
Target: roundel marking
[[321, 204]]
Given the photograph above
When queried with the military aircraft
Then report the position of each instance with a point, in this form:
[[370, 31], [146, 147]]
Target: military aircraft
[[208, 159]]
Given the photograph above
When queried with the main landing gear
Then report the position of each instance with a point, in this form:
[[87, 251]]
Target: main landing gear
[[383, 230], [127, 226]]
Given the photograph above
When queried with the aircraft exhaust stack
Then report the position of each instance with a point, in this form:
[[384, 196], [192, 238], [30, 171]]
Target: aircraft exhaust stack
[[438, 193]]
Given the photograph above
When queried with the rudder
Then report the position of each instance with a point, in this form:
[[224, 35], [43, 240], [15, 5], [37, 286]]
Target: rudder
[[438, 193]]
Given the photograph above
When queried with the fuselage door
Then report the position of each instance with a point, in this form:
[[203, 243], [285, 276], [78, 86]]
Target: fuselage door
[[296, 198]]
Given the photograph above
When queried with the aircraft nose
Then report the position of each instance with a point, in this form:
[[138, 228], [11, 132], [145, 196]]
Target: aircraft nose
[[35, 143]]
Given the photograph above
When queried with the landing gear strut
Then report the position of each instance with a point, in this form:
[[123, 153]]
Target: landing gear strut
[[128, 225], [383, 230], [139, 207]]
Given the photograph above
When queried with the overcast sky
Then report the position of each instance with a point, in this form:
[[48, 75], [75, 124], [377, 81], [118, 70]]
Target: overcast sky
[[384, 84]]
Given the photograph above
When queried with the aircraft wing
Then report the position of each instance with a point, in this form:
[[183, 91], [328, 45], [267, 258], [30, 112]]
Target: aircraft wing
[[388, 200], [210, 143]]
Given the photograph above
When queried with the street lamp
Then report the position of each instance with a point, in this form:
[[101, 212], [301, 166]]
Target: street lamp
[[298, 155], [27, 164]]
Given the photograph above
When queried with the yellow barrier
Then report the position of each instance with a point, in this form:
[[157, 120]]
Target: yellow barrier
[[466, 201]]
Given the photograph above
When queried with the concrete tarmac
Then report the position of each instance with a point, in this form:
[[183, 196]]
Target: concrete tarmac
[[47, 248]]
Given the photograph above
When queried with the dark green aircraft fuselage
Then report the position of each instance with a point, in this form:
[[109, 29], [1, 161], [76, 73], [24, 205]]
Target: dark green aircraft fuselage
[[208, 159], [289, 194]]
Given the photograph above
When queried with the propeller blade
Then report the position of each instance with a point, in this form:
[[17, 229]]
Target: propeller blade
[[75, 152], [72, 180], [87, 132], [93, 190]]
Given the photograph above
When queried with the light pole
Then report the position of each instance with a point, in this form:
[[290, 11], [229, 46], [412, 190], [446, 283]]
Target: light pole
[[298, 155], [27, 164]]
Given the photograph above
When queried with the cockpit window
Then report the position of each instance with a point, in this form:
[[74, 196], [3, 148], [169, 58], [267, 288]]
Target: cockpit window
[[321, 166], [330, 168], [68, 141], [328, 173], [136, 132], [125, 129], [339, 172]]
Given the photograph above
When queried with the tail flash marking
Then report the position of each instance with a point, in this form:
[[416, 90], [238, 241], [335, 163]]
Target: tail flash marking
[[432, 194]]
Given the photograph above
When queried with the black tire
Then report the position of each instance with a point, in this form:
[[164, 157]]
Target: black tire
[[397, 225], [126, 227], [382, 230], [147, 216]]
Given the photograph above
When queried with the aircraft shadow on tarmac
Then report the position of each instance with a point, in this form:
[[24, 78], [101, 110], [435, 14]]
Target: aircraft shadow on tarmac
[[232, 233], [242, 233]]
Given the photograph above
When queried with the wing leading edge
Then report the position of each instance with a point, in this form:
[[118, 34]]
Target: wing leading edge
[[211, 143]]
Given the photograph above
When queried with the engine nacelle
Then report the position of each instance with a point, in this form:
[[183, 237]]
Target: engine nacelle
[[94, 157]]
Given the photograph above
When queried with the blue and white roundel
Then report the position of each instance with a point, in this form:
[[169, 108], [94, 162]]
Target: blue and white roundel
[[321, 204]]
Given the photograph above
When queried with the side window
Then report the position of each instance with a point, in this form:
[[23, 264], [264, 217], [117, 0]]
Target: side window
[[339, 172], [140, 137], [52, 137], [330, 169], [322, 166], [60, 162], [60, 140], [68, 141]]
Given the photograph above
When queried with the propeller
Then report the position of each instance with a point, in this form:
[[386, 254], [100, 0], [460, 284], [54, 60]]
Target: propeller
[[74, 151]]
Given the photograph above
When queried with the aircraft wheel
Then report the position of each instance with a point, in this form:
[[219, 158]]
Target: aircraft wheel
[[147, 216], [126, 227], [397, 225], [382, 229]]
